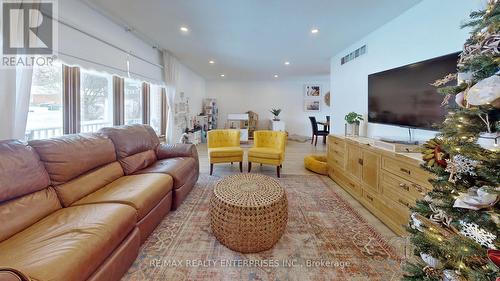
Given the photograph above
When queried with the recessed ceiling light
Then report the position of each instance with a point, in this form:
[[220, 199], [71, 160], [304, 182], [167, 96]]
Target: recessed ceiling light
[[276, 76], [211, 61], [287, 63], [314, 30], [184, 29], [222, 75]]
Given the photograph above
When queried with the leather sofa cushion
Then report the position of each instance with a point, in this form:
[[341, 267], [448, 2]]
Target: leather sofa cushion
[[70, 244], [131, 139], [143, 192], [166, 150], [69, 156], [264, 152], [12, 274], [181, 169], [141, 160], [21, 171], [82, 186], [18, 214], [225, 152]]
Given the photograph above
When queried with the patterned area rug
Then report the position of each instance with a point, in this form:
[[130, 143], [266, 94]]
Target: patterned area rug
[[325, 240]]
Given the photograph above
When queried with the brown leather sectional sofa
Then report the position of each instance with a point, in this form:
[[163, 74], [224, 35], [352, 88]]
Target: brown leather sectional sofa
[[79, 206]]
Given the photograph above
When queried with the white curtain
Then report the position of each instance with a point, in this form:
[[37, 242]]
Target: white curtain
[[15, 89], [170, 75]]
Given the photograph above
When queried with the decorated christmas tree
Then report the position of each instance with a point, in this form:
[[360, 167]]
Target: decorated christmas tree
[[454, 230]]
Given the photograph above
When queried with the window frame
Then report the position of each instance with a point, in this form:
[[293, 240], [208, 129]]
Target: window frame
[[71, 100], [109, 95], [48, 132], [141, 99]]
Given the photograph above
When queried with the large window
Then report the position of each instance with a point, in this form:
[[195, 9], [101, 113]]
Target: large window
[[96, 101], [133, 102], [45, 116], [54, 111], [156, 108]]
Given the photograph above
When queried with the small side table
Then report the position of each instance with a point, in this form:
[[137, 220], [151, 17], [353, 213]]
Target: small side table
[[248, 212], [277, 125]]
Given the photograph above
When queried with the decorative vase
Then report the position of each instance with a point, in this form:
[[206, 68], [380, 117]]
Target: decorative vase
[[353, 129]]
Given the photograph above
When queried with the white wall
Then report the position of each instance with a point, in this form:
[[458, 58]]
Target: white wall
[[73, 43], [194, 88], [261, 96], [429, 29]]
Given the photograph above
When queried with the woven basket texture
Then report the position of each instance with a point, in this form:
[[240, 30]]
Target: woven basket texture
[[248, 212]]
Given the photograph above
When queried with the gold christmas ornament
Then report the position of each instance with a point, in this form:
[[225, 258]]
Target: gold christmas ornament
[[448, 78], [433, 155]]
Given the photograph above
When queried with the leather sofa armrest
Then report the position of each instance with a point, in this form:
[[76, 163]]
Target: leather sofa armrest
[[10, 274], [165, 151]]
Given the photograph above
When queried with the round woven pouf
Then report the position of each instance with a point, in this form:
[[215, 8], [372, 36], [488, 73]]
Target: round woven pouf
[[248, 212]]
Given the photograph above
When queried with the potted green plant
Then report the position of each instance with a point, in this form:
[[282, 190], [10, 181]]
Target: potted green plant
[[276, 114], [353, 119]]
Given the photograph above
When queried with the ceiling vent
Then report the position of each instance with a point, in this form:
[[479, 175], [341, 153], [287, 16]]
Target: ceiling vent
[[353, 55]]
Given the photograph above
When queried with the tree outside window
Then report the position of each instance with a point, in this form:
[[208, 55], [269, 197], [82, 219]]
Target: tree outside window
[[133, 102], [96, 104], [45, 116]]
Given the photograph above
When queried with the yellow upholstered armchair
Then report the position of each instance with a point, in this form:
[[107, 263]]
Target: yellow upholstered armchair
[[269, 148], [224, 147]]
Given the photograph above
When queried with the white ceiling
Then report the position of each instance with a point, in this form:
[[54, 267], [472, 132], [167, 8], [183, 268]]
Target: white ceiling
[[251, 39]]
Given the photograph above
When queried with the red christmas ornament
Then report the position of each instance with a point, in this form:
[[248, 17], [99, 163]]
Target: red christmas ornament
[[440, 156], [494, 256]]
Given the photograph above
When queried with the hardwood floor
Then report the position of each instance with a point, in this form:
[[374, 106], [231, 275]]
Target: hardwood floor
[[294, 165]]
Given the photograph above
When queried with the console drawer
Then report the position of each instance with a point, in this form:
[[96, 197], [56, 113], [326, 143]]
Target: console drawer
[[399, 188], [348, 184], [396, 213], [406, 171], [337, 149], [335, 160], [335, 141], [370, 199]]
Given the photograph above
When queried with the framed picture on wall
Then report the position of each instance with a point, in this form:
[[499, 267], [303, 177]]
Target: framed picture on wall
[[312, 105], [312, 91]]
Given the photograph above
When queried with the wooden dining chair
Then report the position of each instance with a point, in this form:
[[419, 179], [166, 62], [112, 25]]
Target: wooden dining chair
[[327, 127], [316, 132]]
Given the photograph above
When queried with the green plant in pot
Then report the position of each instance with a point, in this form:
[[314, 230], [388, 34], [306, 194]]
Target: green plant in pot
[[276, 114], [353, 119]]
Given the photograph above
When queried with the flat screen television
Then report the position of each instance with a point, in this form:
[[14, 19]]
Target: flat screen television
[[404, 96]]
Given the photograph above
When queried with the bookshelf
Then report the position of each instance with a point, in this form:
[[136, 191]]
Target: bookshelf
[[211, 110]]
